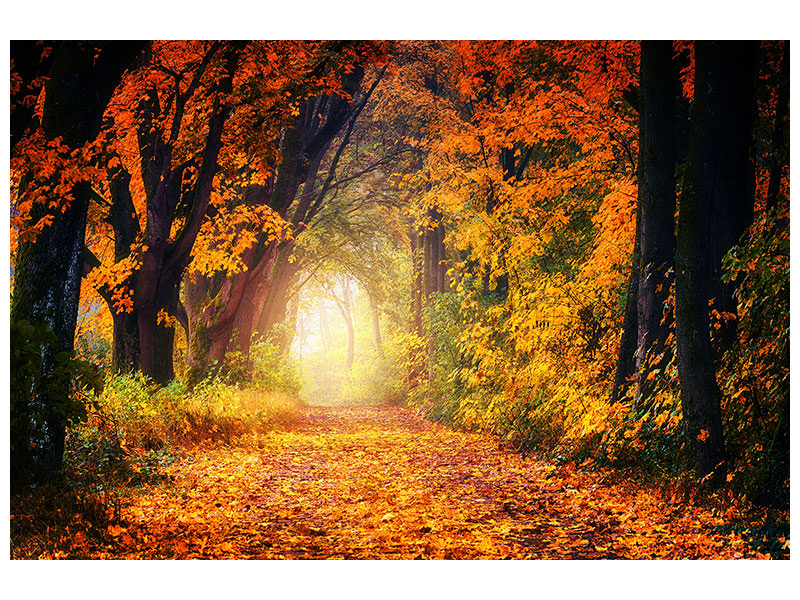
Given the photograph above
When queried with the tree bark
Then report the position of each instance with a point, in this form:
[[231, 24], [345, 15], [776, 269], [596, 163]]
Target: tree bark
[[656, 221], [733, 195], [344, 306], [48, 271], [719, 125], [274, 306], [31, 63], [417, 280], [779, 148]]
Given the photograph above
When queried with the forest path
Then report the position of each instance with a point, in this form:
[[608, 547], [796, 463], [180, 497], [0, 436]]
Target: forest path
[[381, 482]]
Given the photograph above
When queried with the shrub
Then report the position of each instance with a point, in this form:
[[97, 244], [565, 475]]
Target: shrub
[[46, 384], [127, 435], [217, 411], [134, 427]]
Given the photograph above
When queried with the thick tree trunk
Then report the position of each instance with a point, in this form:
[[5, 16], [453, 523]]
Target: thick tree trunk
[[273, 308], [125, 349], [221, 311], [658, 87], [719, 125], [48, 271], [31, 62], [157, 340], [47, 289], [733, 195]]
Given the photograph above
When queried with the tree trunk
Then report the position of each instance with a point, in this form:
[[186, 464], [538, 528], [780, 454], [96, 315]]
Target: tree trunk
[[626, 361], [274, 307], [417, 280], [125, 347], [48, 272], [428, 266], [718, 126], [779, 148], [157, 340], [658, 87], [733, 195], [442, 283], [31, 62], [344, 309], [376, 331]]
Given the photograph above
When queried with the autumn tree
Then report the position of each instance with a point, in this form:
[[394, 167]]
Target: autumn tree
[[541, 132], [225, 311], [51, 208], [185, 91]]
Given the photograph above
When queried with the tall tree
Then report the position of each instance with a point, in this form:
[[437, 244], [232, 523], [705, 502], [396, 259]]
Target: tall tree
[[224, 311], [48, 269], [718, 155], [656, 202], [177, 163]]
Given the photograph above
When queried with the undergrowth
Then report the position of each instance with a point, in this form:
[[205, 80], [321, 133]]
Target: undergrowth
[[132, 430], [134, 426]]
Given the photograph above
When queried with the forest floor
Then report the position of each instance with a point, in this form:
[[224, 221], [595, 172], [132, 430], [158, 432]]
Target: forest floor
[[381, 482]]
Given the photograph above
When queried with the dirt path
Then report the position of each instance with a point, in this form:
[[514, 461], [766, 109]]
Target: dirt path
[[381, 482]]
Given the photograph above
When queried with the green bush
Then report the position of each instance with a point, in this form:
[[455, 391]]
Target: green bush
[[47, 385], [128, 434]]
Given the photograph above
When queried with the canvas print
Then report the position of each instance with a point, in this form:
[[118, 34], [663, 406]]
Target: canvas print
[[399, 299]]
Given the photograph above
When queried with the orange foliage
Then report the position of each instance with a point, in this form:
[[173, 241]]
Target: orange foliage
[[381, 482]]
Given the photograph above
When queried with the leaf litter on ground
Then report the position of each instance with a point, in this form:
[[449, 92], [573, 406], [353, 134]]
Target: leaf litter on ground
[[381, 482]]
